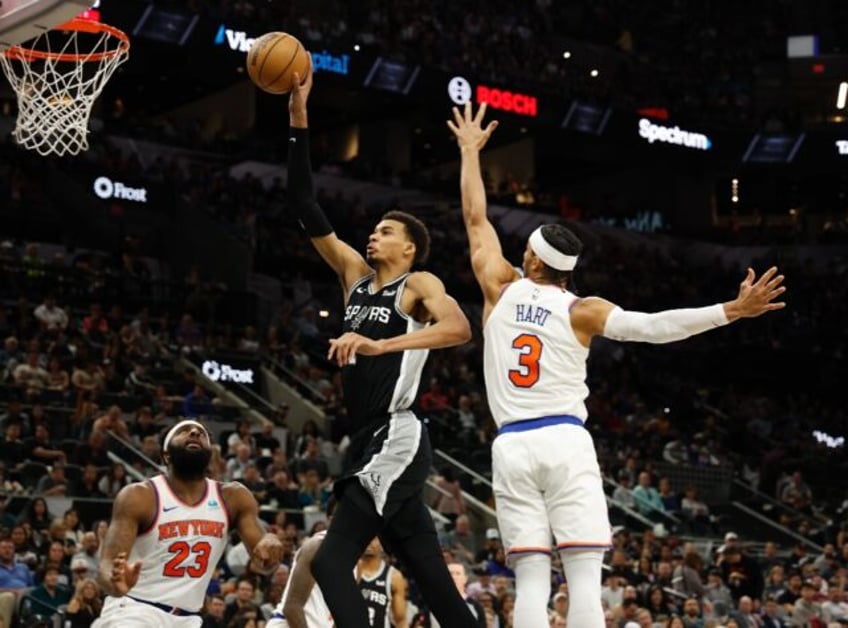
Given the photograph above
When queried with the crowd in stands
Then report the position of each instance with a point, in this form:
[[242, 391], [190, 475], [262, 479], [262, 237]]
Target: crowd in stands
[[696, 61]]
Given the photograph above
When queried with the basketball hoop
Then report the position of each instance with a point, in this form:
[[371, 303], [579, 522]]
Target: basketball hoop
[[57, 76]]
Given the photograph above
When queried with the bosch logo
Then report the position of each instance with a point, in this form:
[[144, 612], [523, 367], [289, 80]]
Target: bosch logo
[[459, 90], [105, 188], [225, 373]]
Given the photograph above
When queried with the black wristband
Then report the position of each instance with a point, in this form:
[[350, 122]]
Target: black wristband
[[301, 191]]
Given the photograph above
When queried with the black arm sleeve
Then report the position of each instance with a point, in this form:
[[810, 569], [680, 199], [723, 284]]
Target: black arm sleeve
[[301, 191]]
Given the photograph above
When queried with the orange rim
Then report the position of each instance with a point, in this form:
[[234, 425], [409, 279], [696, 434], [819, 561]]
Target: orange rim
[[83, 26]]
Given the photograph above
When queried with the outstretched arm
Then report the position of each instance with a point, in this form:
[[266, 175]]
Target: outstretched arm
[[342, 258], [134, 508], [598, 317], [490, 267], [265, 549], [450, 326], [300, 585]]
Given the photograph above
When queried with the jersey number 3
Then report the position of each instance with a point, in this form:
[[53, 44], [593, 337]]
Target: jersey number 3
[[530, 350], [200, 552]]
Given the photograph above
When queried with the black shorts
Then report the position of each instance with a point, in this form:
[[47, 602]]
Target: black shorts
[[391, 462]]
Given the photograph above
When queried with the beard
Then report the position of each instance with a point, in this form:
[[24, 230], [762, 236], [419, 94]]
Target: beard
[[189, 464]]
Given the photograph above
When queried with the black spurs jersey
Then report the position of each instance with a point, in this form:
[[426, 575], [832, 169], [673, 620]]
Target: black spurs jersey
[[377, 592], [376, 386]]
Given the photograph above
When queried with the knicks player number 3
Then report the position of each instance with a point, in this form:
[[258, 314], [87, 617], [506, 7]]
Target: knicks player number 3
[[176, 567], [530, 351]]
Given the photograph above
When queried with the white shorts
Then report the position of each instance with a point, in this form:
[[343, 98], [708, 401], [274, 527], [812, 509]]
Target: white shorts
[[548, 483], [125, 612], [277, 623]]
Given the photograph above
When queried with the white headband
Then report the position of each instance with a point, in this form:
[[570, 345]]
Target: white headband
[[181, 425], [548, 254]]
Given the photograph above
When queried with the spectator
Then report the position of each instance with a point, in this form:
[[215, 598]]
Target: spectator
[[31, 376], [52, 318], [744, 613], [612, 592], [742, 574], [88, 486], [623, 493], [253, 481], [835, 609], [696, 512], [14, 580], [237, 465], [15, 414], [214, 612], [58, 379], [26, 553], [56, 557], [87, 556], [266, 442], [771, 615], [111, 484], [692, 613], [806, 609], [12, 448], [450, 502], [47, 597], [38, 517], [671, 503], [461, 540], [647, 498], [41, 449], [797, 494], [312, 460], [197, 403], [55, 484], [243, 600], [85, 605], [716, 590], [686, 578], [113, 422], [241, 436]]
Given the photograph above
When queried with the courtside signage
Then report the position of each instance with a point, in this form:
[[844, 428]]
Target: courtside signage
[[105, 188], [460, 92], [653, 132], [324, 61]]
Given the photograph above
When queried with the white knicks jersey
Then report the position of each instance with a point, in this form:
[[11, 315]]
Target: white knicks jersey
[[180, 551], [315, 610], [533, 364]]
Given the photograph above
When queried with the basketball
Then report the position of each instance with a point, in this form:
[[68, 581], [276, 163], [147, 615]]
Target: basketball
[[273, 59]]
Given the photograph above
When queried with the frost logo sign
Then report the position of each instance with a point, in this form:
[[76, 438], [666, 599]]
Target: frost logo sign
[[105, 188], [653, 132], [218, 372]]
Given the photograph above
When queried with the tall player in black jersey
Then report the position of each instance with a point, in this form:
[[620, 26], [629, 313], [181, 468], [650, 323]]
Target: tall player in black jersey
[[392, 318]]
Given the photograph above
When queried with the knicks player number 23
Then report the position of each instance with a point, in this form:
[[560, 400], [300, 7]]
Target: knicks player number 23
[[182, 564], [530, 350]]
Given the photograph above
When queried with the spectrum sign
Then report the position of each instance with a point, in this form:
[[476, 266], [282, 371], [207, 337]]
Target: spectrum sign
[[653, 132], [460, 92], [324, 61]]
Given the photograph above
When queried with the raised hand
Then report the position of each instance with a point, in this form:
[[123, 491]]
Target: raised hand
[[757, 296], [124, 574], [299, 95], [468, 129]]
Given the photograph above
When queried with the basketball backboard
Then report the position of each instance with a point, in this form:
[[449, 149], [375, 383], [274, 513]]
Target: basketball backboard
[[21, 20]]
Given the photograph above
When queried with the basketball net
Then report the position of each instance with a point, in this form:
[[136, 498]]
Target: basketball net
[[57, 77]]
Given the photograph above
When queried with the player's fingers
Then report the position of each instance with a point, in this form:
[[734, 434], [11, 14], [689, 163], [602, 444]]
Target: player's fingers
[[478, 119], [491, 127], [454, 129], [332, 350], [776, 281], [457, 117], [296, 82], [467, 111], [766, 276]]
